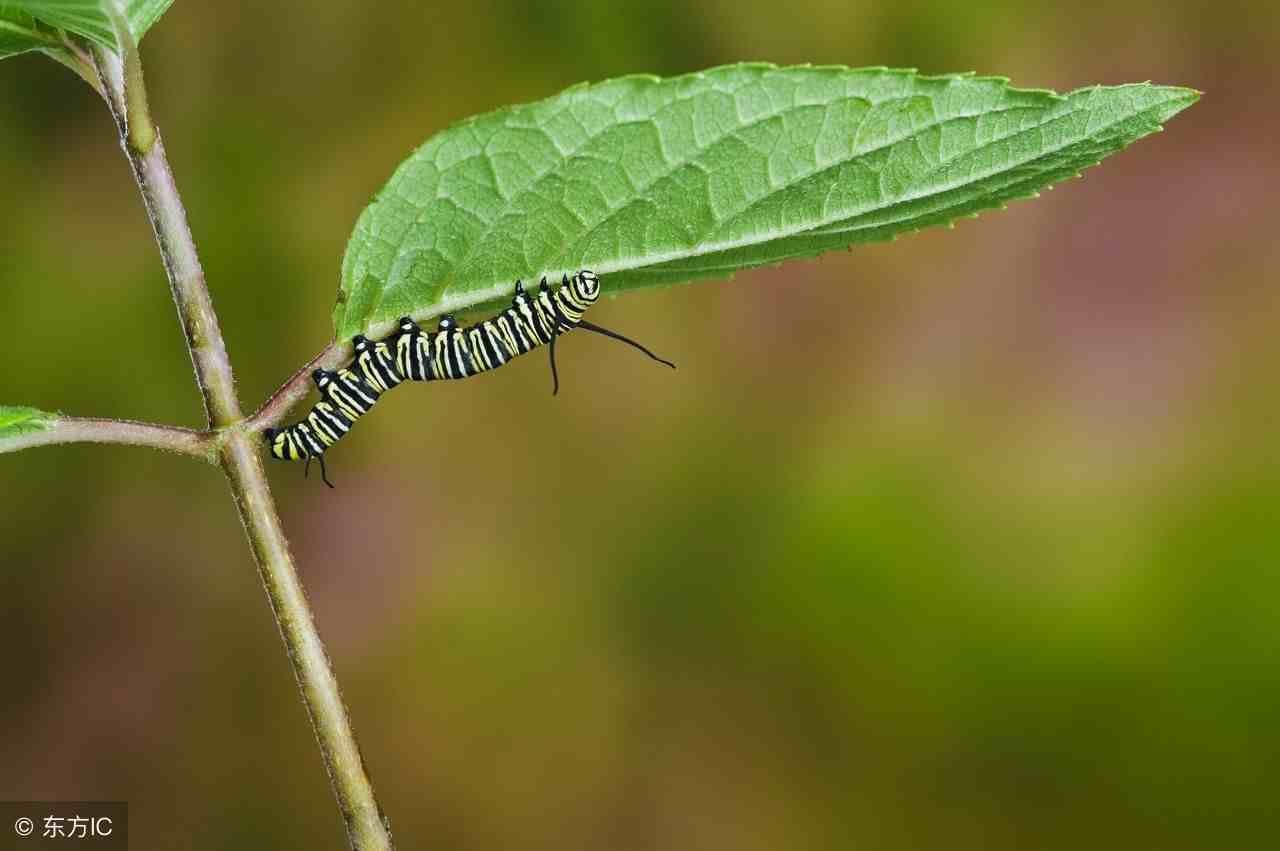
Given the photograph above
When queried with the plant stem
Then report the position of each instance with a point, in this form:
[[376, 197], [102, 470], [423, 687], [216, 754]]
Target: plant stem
[[87, 430], [366, 826], [178, 251], [242, 463], [142, 133], [297, 387]]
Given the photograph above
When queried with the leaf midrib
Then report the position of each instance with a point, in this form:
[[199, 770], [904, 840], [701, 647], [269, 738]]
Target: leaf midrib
[[730, 245], [886, 203], [722, 221]]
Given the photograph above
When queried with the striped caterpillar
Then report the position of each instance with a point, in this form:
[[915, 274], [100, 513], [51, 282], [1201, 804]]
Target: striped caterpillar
[[452, 352]]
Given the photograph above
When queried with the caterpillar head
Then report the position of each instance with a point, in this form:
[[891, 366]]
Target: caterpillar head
[[586, 285], [275, 442], [321, 377], [360, 342], [407, 325]]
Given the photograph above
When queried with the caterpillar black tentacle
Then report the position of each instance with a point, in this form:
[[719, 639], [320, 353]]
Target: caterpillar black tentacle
[[588, 326], [451, 352]]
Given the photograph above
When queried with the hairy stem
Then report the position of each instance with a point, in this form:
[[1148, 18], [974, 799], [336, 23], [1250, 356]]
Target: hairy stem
[[185, 441], [241, 461]]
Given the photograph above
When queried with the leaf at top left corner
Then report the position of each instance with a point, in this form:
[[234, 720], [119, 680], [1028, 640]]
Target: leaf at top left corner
[[19, 32], [86, 18]]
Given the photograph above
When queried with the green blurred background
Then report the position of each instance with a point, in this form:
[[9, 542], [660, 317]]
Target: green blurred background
[[964, 541]]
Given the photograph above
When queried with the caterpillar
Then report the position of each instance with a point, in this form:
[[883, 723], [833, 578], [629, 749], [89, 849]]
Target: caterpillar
[[452, 352]]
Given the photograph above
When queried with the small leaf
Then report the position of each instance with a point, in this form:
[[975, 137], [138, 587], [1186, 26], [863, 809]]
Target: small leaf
[[656, 181], [18, 420], [89, 18]]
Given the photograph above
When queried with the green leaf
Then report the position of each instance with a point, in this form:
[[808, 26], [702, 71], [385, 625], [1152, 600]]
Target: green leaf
[[656, 181], [15, 421], [89, 18], [19, 32]]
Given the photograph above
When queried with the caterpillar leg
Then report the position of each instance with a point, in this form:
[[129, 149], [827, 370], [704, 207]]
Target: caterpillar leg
[[606, 332], [324, 474], [555, 378]]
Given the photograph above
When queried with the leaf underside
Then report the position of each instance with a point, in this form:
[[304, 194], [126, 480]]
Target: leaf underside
[[20, 420], [32, 24], [657, 181]]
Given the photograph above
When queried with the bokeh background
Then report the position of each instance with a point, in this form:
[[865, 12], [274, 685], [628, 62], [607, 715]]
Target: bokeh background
[[966, 541]]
